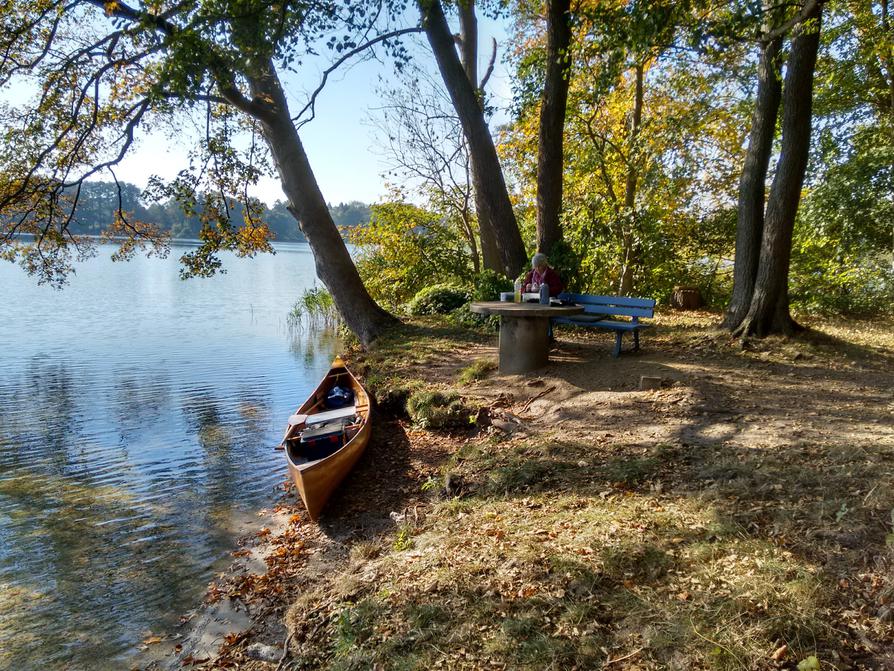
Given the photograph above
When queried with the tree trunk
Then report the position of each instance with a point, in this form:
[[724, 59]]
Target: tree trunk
[[306, 203], [769, 308], [628, 238], [550, 160], [468, 40], [469, 232], [468, 37], [888, 56], [487, 175], [752, 184]]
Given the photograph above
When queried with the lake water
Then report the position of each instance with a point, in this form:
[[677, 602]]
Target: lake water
[[138, 415]]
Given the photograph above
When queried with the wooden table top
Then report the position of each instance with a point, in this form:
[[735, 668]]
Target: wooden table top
[[509, 309]]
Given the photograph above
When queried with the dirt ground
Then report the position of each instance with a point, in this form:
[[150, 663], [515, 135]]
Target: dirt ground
[[738, 515]]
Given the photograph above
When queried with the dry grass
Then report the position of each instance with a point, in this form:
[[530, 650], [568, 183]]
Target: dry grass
[[738, 518]]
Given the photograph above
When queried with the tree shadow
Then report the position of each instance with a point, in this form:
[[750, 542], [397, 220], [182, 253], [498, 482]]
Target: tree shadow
[[387, 478]]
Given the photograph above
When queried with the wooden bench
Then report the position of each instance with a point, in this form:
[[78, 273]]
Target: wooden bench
[[599, 312]]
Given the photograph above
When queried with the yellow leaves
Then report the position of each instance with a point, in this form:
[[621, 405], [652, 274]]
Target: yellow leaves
[[253, 236], [111, 6]]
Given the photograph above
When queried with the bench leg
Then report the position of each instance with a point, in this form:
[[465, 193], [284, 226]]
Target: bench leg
[[617, 351], [636, 341]]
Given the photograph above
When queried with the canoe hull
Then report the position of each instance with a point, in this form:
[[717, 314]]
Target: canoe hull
[[317, 480]]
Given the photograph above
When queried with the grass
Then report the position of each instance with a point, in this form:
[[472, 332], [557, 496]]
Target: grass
[[434, 409], [567, 551], [315, 307], [477, 370]]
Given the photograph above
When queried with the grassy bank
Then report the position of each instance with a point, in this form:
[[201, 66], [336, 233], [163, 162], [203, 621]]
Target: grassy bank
[[736, 518]]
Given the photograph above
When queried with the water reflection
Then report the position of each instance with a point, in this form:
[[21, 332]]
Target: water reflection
[[308, 349], [128, 455]]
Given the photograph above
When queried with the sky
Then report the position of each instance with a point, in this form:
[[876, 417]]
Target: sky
[[340, 141]]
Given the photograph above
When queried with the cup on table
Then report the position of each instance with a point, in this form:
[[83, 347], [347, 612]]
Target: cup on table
[[507, 296]]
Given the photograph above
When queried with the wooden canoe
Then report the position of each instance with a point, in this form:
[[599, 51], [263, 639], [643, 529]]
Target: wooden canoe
[[316, 477]]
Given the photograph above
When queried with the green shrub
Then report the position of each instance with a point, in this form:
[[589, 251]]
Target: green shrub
[[405, 247], [463, 316], [844, 285], [488, 284], [437, 410], [439, 299], [392, 400]]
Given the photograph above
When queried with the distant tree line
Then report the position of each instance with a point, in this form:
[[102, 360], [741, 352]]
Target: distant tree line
[[97, 204]]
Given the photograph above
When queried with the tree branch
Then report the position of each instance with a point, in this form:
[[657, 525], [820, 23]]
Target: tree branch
[[332, 68], [780, 31], [490, 66]]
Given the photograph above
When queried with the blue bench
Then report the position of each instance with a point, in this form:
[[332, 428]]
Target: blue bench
[[599, 309]]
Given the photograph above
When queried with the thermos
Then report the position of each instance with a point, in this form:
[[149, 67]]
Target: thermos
[[544, 294]]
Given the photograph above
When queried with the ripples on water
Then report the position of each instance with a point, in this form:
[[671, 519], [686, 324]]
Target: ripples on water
[[137, 419]]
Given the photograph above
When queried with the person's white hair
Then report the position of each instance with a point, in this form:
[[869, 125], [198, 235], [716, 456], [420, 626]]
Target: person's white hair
[[538, 260]]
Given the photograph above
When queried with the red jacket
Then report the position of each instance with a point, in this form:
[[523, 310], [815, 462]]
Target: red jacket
[[550, 277]]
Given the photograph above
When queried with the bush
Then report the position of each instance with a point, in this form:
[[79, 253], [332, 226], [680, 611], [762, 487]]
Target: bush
[[439, 299], [851, 286], [487, 285], [437, 410], [463, 316], [405, 247]]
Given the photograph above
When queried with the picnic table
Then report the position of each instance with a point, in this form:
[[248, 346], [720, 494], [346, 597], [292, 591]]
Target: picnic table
[[524, 344]]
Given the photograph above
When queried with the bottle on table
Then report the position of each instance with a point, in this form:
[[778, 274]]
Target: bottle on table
[[544, 294], [518, 291]]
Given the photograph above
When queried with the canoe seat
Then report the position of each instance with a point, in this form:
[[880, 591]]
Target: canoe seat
[[330, 415], [322, 430]]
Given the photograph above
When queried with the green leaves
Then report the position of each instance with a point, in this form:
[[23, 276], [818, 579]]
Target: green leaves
[[405, 248]]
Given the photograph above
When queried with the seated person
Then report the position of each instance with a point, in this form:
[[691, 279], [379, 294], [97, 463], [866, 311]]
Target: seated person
[[541, 273]]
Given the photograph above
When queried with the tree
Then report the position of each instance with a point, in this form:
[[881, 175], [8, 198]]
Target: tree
[[550, 161], [651, 146], [752, 184], [423, 141], [467, 41], [768, 306], [101, 70], [405, 249], [492, 196]]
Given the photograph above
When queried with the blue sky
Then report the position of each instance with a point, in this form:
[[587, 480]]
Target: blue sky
[[340, 140]]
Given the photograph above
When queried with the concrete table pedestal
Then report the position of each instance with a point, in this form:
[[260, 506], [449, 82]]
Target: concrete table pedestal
[[524, 342]]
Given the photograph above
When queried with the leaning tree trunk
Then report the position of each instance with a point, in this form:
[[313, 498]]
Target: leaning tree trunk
[[487, 174], [306, 203], [550, 159], [752, 184], [769, 309], [468, 37], [628, 237]]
